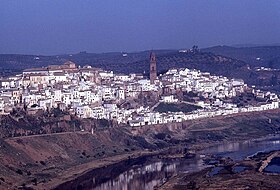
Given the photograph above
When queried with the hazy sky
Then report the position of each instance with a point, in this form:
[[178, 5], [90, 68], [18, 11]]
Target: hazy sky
[[70, 26]]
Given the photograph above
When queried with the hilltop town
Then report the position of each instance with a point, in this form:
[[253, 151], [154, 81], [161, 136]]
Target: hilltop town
[[120, 95], [175, 96]]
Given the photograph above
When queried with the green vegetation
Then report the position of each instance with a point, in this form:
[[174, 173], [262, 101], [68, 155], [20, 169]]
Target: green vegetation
[[172, 107], [269, 54], [245, 99]]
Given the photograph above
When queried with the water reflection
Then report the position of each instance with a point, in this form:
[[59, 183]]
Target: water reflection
[[241, 150], [132, 178], [238, 169], [215, 171], [146, 173]]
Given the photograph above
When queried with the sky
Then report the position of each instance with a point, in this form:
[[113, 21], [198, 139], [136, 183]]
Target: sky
[[49, 27]]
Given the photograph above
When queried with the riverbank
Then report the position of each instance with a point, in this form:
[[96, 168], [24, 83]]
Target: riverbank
[[160, 155], [243, 174], [49, 160], [76, 171]]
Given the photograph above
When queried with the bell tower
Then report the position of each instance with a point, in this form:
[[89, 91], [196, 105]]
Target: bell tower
[[153, 68]]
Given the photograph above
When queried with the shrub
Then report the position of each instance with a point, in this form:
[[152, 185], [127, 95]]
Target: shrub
[[19, 172]]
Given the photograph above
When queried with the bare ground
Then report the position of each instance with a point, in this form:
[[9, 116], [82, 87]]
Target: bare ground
[[44, 161]]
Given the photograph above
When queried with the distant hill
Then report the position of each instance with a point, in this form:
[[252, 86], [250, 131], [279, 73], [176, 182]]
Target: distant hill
[[253, 45], [15, 61], [138, 62], [260, 56], [19, 62], [216, 60], [207, 62]]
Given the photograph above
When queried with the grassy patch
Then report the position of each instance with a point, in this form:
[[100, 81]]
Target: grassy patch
[[181, 107]]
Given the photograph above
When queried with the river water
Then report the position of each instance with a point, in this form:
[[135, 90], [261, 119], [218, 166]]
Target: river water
[[149, 172]]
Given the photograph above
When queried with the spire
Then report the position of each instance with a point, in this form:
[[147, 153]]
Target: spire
[[153, 67], [152, 56]]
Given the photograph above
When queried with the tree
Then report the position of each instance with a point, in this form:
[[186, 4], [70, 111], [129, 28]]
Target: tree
[[274, 80]]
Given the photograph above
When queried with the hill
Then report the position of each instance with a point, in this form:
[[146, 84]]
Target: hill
[[138, 62], [18, 61], [260, 56]]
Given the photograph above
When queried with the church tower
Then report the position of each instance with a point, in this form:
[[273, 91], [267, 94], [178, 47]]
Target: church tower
[[153, 68]]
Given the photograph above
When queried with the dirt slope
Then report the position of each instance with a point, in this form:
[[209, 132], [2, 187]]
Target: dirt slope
[[38, 160]]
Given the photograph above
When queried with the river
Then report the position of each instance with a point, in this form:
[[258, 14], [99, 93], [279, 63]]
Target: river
[[149, 172]]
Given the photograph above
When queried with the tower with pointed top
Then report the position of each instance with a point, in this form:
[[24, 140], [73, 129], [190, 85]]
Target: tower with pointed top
[[153, 68]]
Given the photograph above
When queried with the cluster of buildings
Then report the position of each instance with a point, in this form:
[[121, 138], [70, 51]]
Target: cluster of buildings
[[212, 95], [95, 93]]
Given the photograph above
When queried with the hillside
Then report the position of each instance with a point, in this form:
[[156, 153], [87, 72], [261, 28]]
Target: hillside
[[48, 160], [18, 61], [138, 62], [134, 62], [269, 55]]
